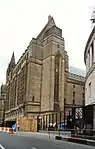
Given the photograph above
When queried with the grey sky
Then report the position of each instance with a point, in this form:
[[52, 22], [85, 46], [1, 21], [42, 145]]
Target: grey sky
[[20, 20]]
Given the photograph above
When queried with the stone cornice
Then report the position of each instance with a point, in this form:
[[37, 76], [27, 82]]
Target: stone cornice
[[76, 77], [34, 60], [87, 44], [32, 103], [15, 108]]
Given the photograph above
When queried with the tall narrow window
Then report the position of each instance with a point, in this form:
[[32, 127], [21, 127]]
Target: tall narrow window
[[83, 102], [56, 79], [83, 88], [73, 94], [83, 95], [64, 101], [56, 82], [90, 89], [73, 86], [73, 101], [33, 98], [92, 53], [88, 59]]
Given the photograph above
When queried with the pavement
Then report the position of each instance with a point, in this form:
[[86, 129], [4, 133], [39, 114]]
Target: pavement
[[26, 140], [46, 134], [62, 133], [76, 140]]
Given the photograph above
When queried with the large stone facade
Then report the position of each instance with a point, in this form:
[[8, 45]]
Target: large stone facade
[[40, 81], [89, 59], [75, 90]]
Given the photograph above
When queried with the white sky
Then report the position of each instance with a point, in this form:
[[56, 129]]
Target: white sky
[[20, 20]]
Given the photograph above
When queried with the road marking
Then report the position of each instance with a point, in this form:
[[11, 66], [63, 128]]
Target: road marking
[[1, 147], [33, 148]]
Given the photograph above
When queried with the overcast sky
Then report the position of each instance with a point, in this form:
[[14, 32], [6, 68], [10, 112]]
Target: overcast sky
[[20, 20]]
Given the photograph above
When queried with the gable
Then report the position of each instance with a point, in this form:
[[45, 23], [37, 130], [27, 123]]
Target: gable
[[49, 25]]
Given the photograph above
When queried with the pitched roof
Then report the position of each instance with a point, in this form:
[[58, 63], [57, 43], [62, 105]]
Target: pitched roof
[[49, 24]]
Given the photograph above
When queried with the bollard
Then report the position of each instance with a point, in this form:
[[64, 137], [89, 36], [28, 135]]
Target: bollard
[[49, 133], [59, 132]]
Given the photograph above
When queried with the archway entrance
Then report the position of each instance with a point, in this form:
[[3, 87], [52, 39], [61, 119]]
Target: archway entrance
[[9, 123]]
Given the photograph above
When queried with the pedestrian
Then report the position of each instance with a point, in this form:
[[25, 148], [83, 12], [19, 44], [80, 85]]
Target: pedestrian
[[77, 130], [18, 127]]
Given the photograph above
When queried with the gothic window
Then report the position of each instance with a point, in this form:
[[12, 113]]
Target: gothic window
[[21, 86], [64, 101], [56, 82], [73, 94], [83, 95], [12, 93], [83, 102], [73, 86], [83, 88], [56, 78], [33, 99], [73, 101], [90, 89]]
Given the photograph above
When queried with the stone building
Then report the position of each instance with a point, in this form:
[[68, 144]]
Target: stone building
[[75, 90], [89, 59], [2, 103], [40, 83]]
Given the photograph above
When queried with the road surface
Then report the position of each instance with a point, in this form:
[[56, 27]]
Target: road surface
[[35, 141]]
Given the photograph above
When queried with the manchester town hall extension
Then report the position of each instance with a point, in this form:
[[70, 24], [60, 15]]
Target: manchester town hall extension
[[40, 84]]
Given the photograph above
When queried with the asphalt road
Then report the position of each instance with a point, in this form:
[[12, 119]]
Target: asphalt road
[[35, 141]]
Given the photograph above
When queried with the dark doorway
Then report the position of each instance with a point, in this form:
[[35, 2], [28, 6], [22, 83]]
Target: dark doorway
[[9, 123]]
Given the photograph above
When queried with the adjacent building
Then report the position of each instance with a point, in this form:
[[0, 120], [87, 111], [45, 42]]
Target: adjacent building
[[2, 103], [75, 92], [40, 84], [89, 59]]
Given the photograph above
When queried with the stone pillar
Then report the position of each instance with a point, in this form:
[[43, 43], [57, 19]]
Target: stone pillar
[[89, 59], [90, 55], [87, 62], [61, 82], [29, 84], [94, 117], [94, 50]]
